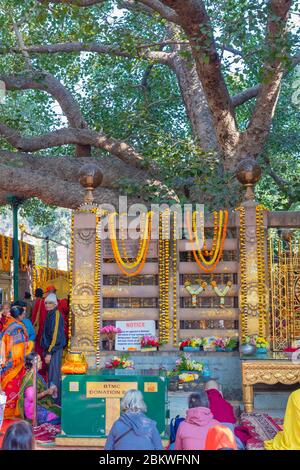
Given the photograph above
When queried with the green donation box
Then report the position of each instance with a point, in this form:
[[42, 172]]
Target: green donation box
[[91, 404]]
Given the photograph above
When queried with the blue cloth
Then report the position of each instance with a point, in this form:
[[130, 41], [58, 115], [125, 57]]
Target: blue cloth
[[48, 332], [30, 329], [136, 432]]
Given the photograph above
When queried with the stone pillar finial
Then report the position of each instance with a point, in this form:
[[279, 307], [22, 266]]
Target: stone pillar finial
[[90, 177], [248, 173]]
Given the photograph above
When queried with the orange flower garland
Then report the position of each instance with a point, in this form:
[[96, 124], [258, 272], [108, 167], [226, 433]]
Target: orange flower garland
[[204, 264]]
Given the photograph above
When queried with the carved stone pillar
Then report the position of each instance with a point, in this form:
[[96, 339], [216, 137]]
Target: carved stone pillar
[[248, 173], [83, 280]]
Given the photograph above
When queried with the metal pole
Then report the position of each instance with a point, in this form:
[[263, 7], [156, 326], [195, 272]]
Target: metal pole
[[35, 371], [15, 202], [47, 251]]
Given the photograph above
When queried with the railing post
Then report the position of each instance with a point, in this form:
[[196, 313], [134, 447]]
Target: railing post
[[253, 274]]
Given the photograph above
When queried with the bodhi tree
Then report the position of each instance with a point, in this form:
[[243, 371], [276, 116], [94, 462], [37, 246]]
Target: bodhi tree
[[166, 96]]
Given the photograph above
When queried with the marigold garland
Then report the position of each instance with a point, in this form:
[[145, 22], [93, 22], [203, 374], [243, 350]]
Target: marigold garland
[[23, 250], [243, 286], [124, 267], [218, 241], [71, 265], [6, 246], [128, 264], [175, 339], [261, 269], [33, 272], [164, 271], [97, 292]]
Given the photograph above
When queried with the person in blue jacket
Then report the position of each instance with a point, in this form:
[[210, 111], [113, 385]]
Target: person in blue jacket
[[133, 430], [53, 342]]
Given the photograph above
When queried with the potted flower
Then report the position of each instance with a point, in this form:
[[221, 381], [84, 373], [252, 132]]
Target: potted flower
[[118, 364], [149, 343], [191, 344], [248, 346], [230, 344], [219, 344], [208, 344], [185, 364], [110, 332], [261, 345]]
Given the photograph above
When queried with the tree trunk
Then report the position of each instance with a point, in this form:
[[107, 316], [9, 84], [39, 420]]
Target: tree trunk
[[195, 102]]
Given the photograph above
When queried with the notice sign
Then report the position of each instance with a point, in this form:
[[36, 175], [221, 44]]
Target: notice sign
[[109, 389], [129, 339]]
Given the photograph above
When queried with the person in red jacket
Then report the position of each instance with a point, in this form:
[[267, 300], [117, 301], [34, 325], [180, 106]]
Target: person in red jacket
[[63, 307]]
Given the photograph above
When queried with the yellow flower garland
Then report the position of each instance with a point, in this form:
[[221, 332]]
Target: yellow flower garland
[[97, 293], [243, 286], [204, 264], [217, 243], [23, 255], [175, 339], [164, 270], [71, 281], [141, 247], [33, 272], [261, 269], [6, 245], [146, 242]]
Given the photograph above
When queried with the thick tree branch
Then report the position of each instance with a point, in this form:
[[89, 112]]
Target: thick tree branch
[[163, 9], [79, 3], [195, 22], [283, 185], [252, 92], [267, 96], [245, 95], [40, 80], [67, 168], [73, 136], [50, 190], [155, 5], [73, 47]]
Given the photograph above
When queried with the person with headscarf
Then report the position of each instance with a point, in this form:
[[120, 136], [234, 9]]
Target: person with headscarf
[[289, 437], [14, 347], [63, 307], [53, 343], [47, 410]]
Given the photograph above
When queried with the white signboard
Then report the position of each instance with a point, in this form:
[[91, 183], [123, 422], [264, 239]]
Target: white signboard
[[132, 330]]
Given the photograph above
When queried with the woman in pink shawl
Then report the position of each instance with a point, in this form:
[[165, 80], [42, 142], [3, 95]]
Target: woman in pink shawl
[[223, 411], [192, 432]]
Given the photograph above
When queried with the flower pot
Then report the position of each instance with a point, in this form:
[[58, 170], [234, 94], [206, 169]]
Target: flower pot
[[125, 371], [248, 349], [107, 371], [228, 349], [110, 344], [219, 349], [191, 349], [261, 351], [149, 348]]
